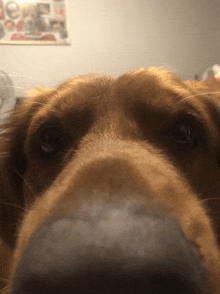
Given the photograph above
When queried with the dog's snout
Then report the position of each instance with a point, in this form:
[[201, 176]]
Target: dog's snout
[[119, 248]]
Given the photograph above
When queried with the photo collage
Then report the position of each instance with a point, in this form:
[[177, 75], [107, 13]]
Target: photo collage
[[33, 22]]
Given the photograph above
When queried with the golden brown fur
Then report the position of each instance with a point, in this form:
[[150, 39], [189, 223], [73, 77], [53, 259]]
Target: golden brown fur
[[146, 132]]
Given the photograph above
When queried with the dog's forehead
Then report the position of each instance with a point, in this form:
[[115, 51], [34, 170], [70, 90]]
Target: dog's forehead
[[157, 90], [96, 89], [104, 95]]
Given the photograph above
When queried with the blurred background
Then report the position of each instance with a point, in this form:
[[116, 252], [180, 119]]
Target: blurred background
[[115, 36]]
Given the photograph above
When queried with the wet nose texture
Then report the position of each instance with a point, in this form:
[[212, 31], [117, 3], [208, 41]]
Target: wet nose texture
[[119, 248]]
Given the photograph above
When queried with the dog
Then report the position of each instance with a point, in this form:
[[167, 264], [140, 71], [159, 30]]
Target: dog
[[111, 185]]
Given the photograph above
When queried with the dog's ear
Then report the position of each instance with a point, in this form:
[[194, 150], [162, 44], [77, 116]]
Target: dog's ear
[[12, 168], [13, 162]]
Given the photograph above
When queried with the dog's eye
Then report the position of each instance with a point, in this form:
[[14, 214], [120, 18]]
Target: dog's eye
[[52, 140], [184, 135]]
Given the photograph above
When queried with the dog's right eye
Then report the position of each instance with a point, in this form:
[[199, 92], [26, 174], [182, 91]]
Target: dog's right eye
[[186, 134], [52, 140]]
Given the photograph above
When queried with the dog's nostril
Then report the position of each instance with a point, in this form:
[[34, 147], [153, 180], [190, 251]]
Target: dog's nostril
[[115, 251]]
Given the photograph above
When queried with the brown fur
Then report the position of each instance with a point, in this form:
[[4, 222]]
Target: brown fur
[[119, 134]]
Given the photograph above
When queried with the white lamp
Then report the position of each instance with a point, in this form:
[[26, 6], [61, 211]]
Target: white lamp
[[215, 69]]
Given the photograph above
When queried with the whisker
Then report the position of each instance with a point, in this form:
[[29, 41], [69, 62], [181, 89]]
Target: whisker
[[35, 102], [25, 181], [14, 205], [210, 199], [6, 288], [16, 87], [200, 94]]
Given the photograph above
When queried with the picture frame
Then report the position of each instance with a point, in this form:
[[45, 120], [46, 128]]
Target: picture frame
[[35, 22]]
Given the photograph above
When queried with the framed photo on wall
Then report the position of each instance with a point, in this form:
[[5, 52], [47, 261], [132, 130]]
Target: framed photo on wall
[[42, 22]]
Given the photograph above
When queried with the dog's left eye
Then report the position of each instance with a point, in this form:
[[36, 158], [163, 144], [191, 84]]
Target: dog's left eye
[[52, 140], [185, 134]]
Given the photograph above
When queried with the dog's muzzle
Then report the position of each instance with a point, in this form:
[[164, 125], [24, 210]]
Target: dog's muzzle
[[116, 248]]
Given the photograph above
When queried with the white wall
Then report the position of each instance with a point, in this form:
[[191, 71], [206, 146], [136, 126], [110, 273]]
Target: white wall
[[116, 35]]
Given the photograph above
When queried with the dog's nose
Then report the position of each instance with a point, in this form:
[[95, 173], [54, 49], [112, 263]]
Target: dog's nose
[[120, 248]]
